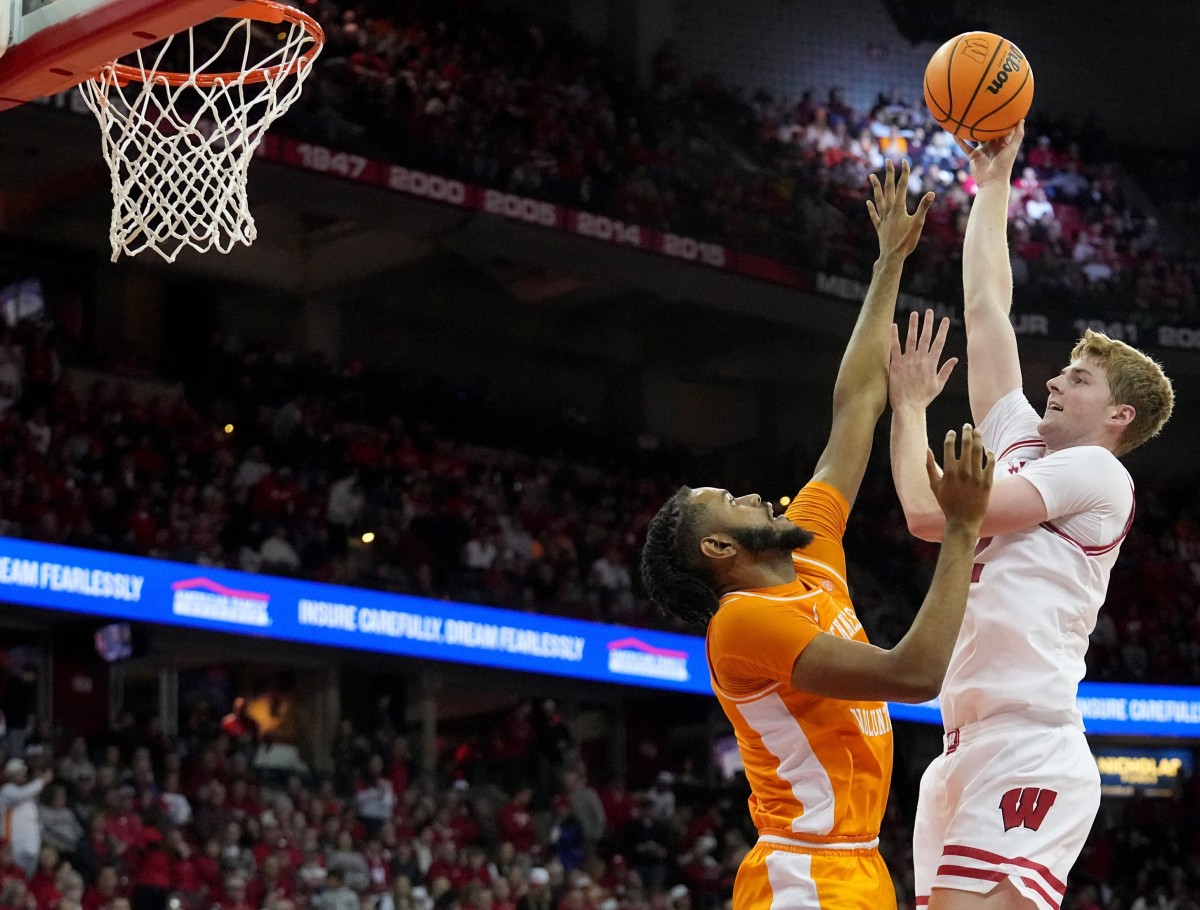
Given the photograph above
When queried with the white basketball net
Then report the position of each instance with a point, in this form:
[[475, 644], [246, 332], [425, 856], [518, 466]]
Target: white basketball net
[[179, 154]]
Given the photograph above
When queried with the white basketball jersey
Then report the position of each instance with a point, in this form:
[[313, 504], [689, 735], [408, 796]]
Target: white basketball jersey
[[1035, 593]]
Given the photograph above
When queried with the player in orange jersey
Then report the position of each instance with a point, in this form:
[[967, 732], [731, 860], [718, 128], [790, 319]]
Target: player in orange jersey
[[790, 663]]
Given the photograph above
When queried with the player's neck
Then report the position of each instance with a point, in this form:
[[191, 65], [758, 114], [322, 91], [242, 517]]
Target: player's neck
[[767, 571], [1102, 441]]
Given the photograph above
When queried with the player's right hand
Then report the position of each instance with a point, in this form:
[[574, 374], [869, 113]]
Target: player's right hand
[[964, 485], [993, 160]]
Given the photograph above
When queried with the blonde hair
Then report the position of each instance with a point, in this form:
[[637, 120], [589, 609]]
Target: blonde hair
[[1134, 379]]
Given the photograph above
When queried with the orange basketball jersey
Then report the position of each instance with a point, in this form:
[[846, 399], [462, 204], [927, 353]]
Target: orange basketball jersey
[[819, 768]]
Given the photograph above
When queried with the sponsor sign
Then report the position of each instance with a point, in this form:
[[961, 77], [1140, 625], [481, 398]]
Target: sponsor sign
[[203, 598], [1111, 709], [633, 657], [1157, 773], [148, 590]]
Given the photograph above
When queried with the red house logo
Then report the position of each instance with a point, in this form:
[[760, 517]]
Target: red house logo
[[633, 657], [203, 598]]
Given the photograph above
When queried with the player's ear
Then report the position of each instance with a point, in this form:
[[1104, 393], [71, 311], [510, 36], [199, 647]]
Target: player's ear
[[718, 545], [1122, 415]]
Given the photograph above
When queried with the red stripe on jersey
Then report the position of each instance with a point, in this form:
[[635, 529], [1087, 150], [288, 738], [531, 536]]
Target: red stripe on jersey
[[996, 859], [989, 875], [1101, 549], [1050, 901], [1030, 443]]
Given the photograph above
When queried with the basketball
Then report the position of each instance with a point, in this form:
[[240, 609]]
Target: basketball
[[978, 86]]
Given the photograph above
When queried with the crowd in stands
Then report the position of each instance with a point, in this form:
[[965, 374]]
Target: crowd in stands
[[487, 96], [134, 820], [507, 819], [268, 463]]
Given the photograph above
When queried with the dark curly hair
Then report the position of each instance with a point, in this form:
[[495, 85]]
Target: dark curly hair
[[676, 576]]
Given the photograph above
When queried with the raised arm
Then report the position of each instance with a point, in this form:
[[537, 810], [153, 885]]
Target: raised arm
[[993, 364], [860, 392], [915, 379], [20, 793], [913, 670]]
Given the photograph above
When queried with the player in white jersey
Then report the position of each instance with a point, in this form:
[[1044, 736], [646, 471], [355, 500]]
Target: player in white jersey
[[1005, 810]]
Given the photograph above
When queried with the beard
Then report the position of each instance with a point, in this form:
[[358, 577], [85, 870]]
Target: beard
[[785, 538]]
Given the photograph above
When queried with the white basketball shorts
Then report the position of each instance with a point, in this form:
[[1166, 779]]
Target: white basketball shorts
[[1006, 799]]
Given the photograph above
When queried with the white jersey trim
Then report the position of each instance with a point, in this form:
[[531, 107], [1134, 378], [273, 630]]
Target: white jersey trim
[[796, 842], [796, 557], [781, 598], [741, 699]]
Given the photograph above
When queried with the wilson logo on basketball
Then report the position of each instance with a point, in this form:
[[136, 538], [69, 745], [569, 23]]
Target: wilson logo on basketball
[[1012, 64], [976, 49], [1026, 806]]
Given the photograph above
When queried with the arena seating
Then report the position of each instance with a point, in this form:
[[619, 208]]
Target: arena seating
[[489, 97]]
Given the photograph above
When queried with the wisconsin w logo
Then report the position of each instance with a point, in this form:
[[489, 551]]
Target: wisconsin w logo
[[1026, 806]]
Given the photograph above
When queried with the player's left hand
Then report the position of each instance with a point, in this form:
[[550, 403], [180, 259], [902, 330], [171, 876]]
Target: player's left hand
[[898, 230], [914, 376]]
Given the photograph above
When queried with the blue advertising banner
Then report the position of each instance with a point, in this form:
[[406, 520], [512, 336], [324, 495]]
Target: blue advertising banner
[[150, 590], [1117, 709], [179, 594]]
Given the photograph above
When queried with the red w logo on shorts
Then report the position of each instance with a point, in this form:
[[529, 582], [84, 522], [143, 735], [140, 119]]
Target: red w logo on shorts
[[1026, 806]]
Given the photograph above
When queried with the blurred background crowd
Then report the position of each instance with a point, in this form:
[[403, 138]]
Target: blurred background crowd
[[491, 98], [248, 454]]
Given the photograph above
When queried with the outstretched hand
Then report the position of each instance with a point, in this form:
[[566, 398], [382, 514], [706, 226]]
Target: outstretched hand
[[993, 160], [898, 230], [914, 377], [965, 485]]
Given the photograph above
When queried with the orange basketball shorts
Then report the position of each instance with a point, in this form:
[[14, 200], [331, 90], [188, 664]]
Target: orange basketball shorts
[[776, 876]]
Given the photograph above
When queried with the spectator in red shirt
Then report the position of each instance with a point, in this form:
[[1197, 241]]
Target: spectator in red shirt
[[399, 766], [272, 884], [42, 884], [186, 876], [8, 868], [234, 897], [460, 817], [152, 878], [477, 866], [271, 838], [618, 804], [101, 894], [124, 825], [376, 867], [448, 864], [241, 803], [208, 867], [237, 723], [517, 823]]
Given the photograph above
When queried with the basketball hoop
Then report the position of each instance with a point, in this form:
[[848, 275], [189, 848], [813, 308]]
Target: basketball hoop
[[179, 144]]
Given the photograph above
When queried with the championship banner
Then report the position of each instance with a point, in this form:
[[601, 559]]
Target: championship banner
[[602, 228], [322, 159]]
